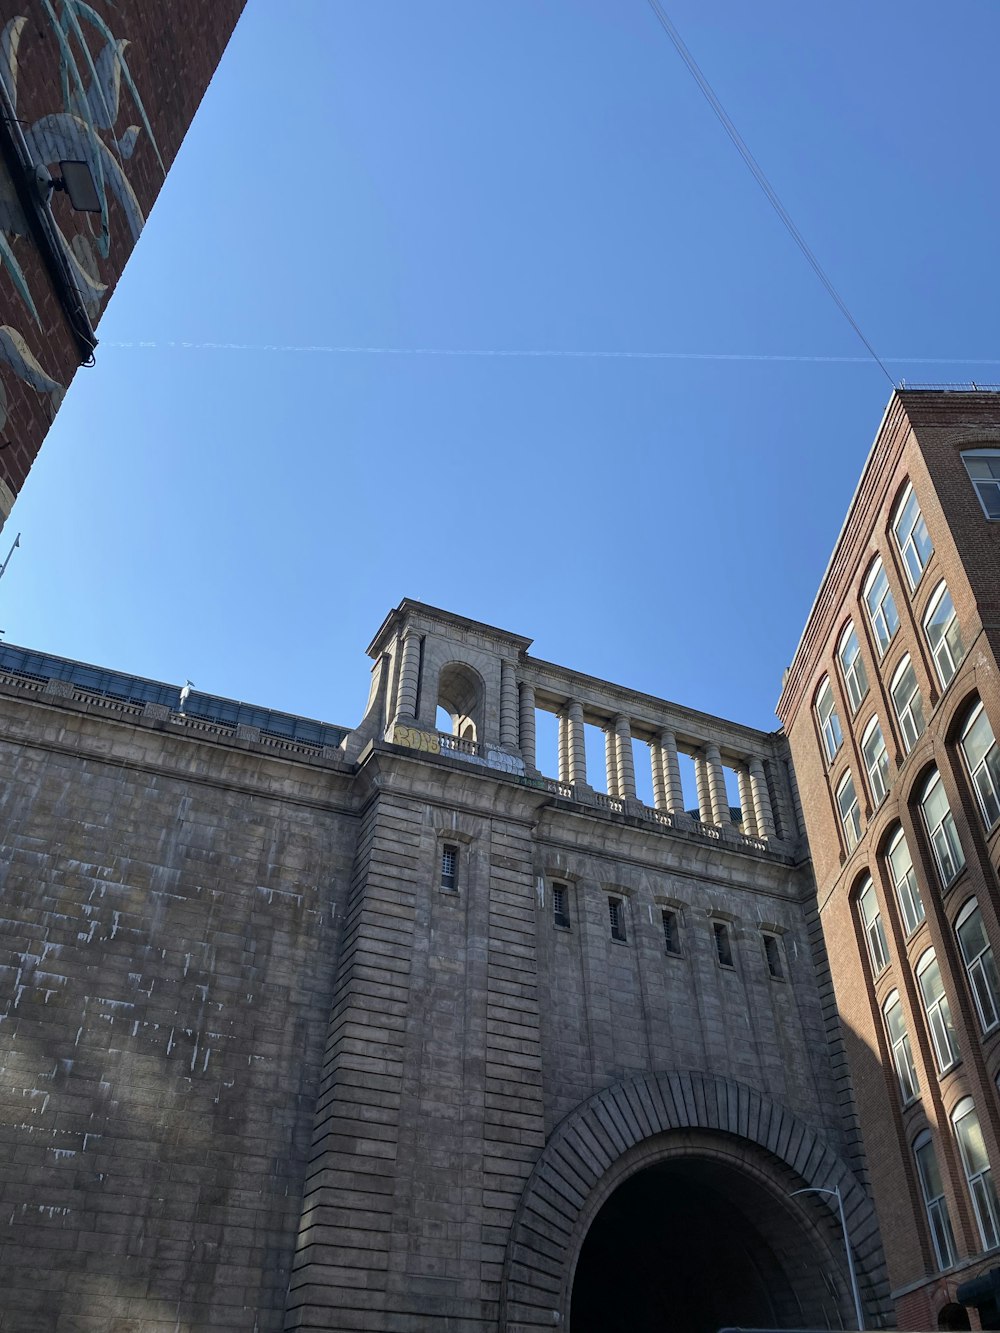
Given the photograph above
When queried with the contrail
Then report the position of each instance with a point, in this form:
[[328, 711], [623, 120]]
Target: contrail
[[328, 349]]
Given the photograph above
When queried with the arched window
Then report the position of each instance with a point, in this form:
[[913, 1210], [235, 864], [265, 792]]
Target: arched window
[[853, 668], [460, 695], [871, 921], [911, 535], [983, 467], [829, 722], [881, 607], [934, 1200], [876, 760], [977, 954], [902, 1055], [850, 811], [965, 1123], [941, 829], [943, 634], [907, 702], [979, 747], [911, 905], [937, 1010]]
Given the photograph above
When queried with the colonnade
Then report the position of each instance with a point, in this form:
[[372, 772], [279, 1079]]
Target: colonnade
[[668, 794]]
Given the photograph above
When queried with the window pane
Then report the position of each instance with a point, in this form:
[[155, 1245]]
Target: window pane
[[905, 880], [829, 722], [855, 677]]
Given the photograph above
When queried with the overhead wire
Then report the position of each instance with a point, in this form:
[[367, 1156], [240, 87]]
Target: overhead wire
[[758, 174]]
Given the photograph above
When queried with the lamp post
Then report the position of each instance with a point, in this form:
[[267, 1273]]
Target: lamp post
[[816, 1189]]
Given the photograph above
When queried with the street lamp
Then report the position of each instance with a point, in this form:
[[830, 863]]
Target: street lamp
[[816, 1189]]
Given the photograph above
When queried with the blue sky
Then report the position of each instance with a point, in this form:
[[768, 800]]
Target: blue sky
[[541, 176]]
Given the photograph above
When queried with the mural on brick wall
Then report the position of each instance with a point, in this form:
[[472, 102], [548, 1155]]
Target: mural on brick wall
[[94, 94]]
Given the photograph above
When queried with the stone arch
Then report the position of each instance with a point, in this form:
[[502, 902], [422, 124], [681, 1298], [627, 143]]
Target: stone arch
[[634, 1124], [460, 692]]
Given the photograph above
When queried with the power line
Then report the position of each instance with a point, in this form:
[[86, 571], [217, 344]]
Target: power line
[[758, 175]]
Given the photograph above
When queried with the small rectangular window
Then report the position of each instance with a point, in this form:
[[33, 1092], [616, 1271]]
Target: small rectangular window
[[617, 919], [671, 931], [560, 904], [723, 945], [449, 867], [772, 952]]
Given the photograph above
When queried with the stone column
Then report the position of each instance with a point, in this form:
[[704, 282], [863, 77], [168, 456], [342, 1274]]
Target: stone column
[[626, 764], [526, 726], [611, 759], [673, 792], [659, 785], [577, 750], [717, 787], [508, 705], [564, 745], [746, 802], [701, 782], [409, 677], [761, 801]]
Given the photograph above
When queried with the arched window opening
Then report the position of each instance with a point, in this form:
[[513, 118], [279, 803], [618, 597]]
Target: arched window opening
[[912, 537], [904, 878], [937, 1010], [943, 634], [899, 1042], [980, 967], [983, 467], [907, 702], [881, 607], [852, 666], [953, 1316], [460, 696], [976, 1162], [829, 722], [871, 922], [934, 1201], [941, 830], [982, 757], [876, 760]]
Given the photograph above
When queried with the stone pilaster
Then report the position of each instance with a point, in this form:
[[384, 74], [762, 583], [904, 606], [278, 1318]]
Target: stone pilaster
[[526, 725], [626, 764], [611, 759], [577, 745], [673, 792], [704, 793], [746, 802], [409, 678], [761, 801], [508, 705]]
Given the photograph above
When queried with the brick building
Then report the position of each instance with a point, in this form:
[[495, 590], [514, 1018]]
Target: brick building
[[114, 86], [385, 1028], [891, 706]]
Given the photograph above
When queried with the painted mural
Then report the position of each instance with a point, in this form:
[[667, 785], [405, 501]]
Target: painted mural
[[97, 98]]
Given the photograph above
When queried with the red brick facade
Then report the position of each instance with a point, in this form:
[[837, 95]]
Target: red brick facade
[[920, 444], [114, 84]]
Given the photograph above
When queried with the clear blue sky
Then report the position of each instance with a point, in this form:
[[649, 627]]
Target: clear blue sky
[[536, 175]]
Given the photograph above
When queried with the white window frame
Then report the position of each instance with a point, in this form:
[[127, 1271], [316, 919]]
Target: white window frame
[[938, 1217], [881, 619], [904, 880], [990, 485], [850, 815], [979, 1178], [937, 1012], [945, 643], [876, 764], [980, 969], [852, 667], [909, 715], [913, 538], [870, 913], [985, 776], [899, 1044], [943, 834], [828, 719]]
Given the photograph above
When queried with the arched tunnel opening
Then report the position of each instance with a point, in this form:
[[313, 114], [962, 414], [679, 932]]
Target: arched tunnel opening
[[695, 1244]]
